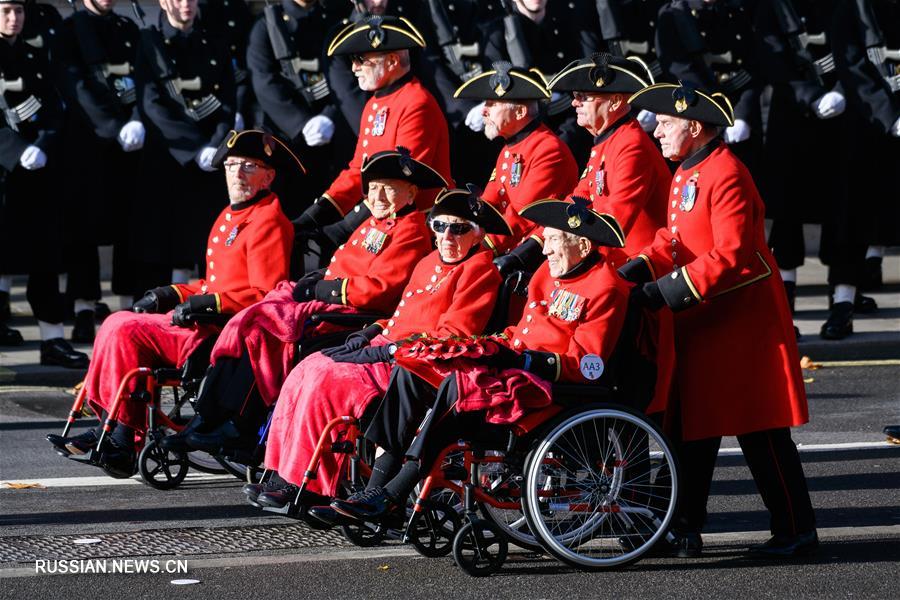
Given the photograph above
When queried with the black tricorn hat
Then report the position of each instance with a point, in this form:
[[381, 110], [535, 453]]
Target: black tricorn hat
[[258, 145], [467, 204], [576, 217], [398, 164], [685, 101], [504, 82], [603, 73], [376, 34]]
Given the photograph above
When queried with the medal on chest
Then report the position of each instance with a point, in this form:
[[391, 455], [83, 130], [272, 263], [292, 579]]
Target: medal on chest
[[233, 234], [689, 193], [600, 177], [374, 240], [515, 172], [565, 305], [380, 121]]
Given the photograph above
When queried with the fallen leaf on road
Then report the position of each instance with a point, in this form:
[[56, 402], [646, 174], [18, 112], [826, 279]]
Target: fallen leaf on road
[[809, 380], [23, 486], [807, 363], [384, 567]]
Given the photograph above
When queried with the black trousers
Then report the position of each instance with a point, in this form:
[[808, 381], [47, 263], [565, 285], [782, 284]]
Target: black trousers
[[42, 293], [775, 465], [83, 267], [417, 421], [229, 392], [843, 251]]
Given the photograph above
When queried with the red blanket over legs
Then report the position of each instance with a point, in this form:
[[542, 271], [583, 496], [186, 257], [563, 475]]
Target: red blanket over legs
[[127, 341], [269, 331], [316, 391]]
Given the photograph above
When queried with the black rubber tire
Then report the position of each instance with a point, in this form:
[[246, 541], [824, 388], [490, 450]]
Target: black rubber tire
[[172, 465], [480, 559]]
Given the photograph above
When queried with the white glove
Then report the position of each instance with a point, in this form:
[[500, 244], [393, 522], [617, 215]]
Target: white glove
[[131, 136], [475, 118], [830, 105], [738, 132], [647, 120], [895, 130], [318, 131], [238, 121], [205, 157], [33, 158]]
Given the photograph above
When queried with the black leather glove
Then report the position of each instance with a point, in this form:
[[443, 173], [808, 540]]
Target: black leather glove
[[505, 358], [647, 296], [185, 313], [366, 355], [305, 288], [355, 341], [527, 257], [157, 300], [319, 214], [508, 263]]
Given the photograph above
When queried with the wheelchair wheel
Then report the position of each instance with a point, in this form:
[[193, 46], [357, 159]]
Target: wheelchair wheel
[[364, 535], [247, 473], [505, 485], [206, 463], [600, 488], [432, 531], [160, 468], [480, 548]]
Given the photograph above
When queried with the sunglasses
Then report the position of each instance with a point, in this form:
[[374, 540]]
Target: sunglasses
[[364, 61], [245, 166], [454, 228], [582, 97]]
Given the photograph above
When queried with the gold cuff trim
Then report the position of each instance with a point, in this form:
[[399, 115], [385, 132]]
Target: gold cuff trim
[[768, 273], [178, 291], [344, 283], [558, 366], [334, 203], [690, 284], [218, 303], [649, 264]]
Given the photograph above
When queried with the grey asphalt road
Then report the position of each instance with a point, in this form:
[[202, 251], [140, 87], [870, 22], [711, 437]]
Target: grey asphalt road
[[237, 552]]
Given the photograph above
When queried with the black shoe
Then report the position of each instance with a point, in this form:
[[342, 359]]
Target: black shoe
[[177, 442], [83, 332], [893, 433], [225, 435], [685, 545], [78, 444], [840, 322], [253, 490], [101, 311], [325, 515], [368, 505], [278, 498], [10, 337], [786, 546], [873, 278], [864, 305], [58, 352], [120, 462]]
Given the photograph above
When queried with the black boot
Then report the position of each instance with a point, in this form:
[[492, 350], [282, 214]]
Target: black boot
[[10, 337], [786, 546], [177, 442], [83, 332], [840, 322], [226, 435], [59, 352]]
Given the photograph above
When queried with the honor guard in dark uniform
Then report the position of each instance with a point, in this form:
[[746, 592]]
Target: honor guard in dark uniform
[[186, 95], [287, 67], [548, 36], [42, 25], [711, 44], [97, 51], [866, 44], [232, 20], [30, 185]]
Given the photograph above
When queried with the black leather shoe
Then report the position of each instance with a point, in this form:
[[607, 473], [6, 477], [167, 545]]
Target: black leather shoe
[[685, 545], [873, 278], [120, 462], [840, 322], [10, 337], [327, 516], [58, 352], [225, 435], [83, 332], [864, 305], [367, 506], [77, 444], [253, 490], [786, 546], [278, 498], [893, 433], [177, 442]]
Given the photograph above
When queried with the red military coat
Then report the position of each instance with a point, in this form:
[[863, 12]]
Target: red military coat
[[445, 300], [403, 114], [248, 252], [377, 260], [737, 367], [627, 177], [533, 165], [577, 318]]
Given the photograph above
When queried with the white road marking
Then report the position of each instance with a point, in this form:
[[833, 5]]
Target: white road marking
[[104, 481]]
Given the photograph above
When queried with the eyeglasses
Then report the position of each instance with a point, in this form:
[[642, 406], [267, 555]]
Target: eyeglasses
[[359, 59], [245, 166], [582, 97], [454, 228]]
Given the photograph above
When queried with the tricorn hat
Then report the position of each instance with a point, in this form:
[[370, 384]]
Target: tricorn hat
[[398, 164], [685, 101], [603, 73], [258, 145], [504, 82], [376, 34], [467, 204], [576, 217]]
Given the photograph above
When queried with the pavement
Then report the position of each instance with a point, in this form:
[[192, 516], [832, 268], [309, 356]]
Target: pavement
[[876, 336]]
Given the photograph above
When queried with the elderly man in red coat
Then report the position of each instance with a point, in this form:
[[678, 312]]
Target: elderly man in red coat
[[400, 112], [576, 309], [625, 175], [711, 266], [247, 253], [533, 164], [258, 348], [452, 292]]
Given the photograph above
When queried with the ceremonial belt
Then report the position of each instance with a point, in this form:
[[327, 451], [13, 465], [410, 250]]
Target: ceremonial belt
[[314, 85], [888, 63], [732, 81], [122, 83], [22, 112], [202, 108], [35, 42]]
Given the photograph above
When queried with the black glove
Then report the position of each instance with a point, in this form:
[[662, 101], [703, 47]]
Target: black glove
[[320, 213], [636, 271], [647, 296], [366, 355], [508, 263], [158, 300], [305, 288], [527, 257], [505, 358], [355, 341], [186, 313]]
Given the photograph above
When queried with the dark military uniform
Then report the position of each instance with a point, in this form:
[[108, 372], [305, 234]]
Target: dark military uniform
[[232, 20], [30, 199], [628, 28], [291, 90], [175, 200], [96, 59], [42, 24]]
